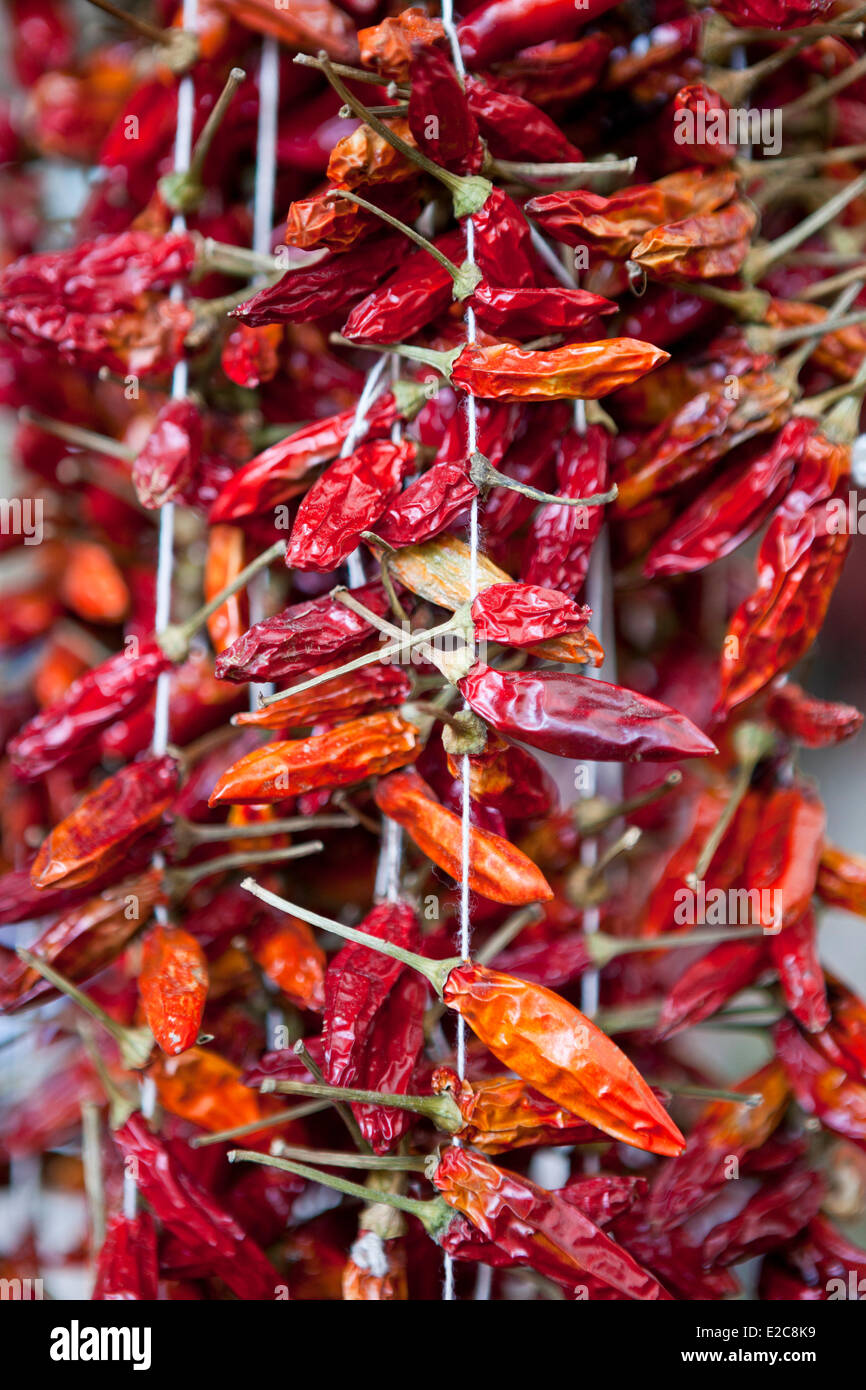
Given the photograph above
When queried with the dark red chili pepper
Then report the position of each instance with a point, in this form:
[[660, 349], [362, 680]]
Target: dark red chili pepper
[[704, 987], [167, 464], [325, 288], [577, 717], [806, 719], [427, 506], [440, 117], [521, 615], [501, 27], [561, 538], [794, 953], [347, 499], [419, 290], [303, 636], [513, 128], [532, 313], [127, 1267]]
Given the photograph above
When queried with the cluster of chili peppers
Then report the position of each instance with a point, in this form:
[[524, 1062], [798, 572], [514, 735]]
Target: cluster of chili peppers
[[541, 354]]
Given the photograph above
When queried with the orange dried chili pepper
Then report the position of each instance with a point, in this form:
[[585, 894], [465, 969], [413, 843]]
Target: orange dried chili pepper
[[842, 879], [699, 248], [226, 557], [388, 46], [206, 1089], [173, 986], [102, 827], [92, 585], [346, 696], [496, 869], [585, 370], [348, 753], [289, 955]]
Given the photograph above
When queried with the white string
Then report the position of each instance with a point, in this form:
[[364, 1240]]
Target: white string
[[472, 445], [263, 223]]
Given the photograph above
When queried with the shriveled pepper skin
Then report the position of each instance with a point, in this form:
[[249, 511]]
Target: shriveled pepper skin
[[536, 1227], [344, 697], [587, 370], [562, 1054], [349, 498], [89, 705], [497, 870], [348, 753], [173, 985], [105, 823], [127, 1269], [785, 853], [577, 717], [501, 27]]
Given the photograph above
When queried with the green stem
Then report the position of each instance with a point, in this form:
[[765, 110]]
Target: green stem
[[681, 1088], [793, 164], [188, 833], [434, 1215], [750, 305], [344, 1111], [74, 434], [822, 92], [442, 362], [181, 880], [443, 1110], [603, 948], [354, 74], [183, 191], [469, 192], [436, 971], [772, 339], [399, 1163], [759, 260], [753, 743], [282, 1117], [135, 1044], [531, 174], [465, 276], [484, 475], [175, 638], [594, 814], [835, 282]]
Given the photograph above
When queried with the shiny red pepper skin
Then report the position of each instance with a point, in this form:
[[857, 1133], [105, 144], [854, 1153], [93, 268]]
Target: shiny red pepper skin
[[282, 470], [167, 464], [191, 1213], [389, 1058], [812, 722], [502, 27], [794, 953], [515, 129], [90, 705], [521, 615], [785, 853], [325, 288], [127, 1267], [706, 985], [524, 1224], [561, 538], [733, 506], [418, 292], [577, 717], [347, 499], [532, 313], [305, 635], [451, 138], [427, 506]]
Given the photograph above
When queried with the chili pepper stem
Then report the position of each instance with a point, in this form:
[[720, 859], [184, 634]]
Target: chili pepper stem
[[530, 174], [179, 47], [181, 880], [442, 362], [135, 1044], [735, 87], [74, 434], [394, 1163], [835, 282], [794, 163], [759, 260], [593, 814], [282, 1117], [183, 191], [823, 91], [718, 36], [511, 927], [436, 971], [434, 1215], [841, 425], [465, 276], [772, 339], [469, 192], [443, 1109], [484, 475], [353, 74], [344, 1112], [603, 948], [750, 305], [175, 638], [231, 260], [188, 833], [682, 1088], [120, 1105], [752, 743]]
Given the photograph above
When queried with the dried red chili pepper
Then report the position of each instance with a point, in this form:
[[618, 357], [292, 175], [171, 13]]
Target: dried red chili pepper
[[532, 313], [842, 880], [348, 753], [427, 506], [806, 719], [698, 248], [301, 637], [522, 615], [316, 291], [795, 956], [704, 987], [347, 500], [496, 869], [167, 464], [785, 853], [499, 28], [192, 1214], [104, 825], [587, 370], [127, 1268], [451, 136], [577, 717], [173, 984], [561, 538], [282, 470]]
